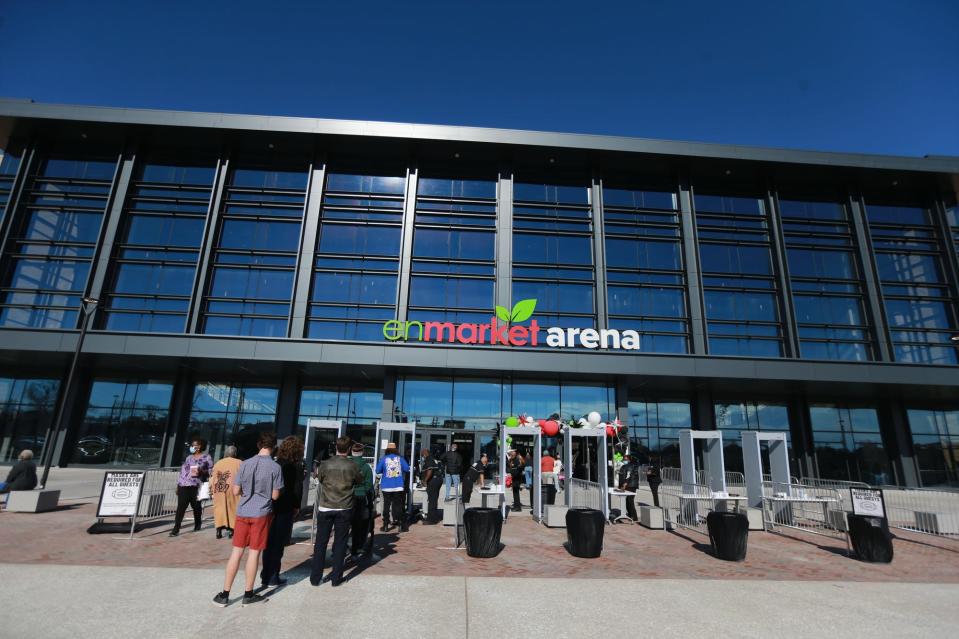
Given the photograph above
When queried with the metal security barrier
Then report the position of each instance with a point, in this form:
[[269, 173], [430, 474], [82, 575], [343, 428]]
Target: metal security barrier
[[769, 477], [930, 511], [157, 496], [735, 483], [814, 510], [688, 505], [835, 484], [585, 494]]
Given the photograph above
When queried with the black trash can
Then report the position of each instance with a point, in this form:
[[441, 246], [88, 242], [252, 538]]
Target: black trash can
[[870, 538], [584, 532], [547, 494], [483, 528], [727, 534]]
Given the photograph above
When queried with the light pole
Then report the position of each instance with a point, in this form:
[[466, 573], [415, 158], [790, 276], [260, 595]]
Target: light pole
[[87, 309]]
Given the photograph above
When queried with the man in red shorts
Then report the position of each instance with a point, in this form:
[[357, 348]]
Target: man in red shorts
[[258, 482]]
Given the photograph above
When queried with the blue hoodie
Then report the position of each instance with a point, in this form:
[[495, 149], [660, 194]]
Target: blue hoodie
[[391, 467]]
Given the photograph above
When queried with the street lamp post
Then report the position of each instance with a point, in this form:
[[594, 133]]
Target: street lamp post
[[87, 309]]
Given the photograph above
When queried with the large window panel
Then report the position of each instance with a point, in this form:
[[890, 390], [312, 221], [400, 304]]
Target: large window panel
[[26, 411], [935, 443], [231, 414], [654, 430], [848, 445]]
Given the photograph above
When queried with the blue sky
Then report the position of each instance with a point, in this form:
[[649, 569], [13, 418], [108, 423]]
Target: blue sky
[[875, 77]]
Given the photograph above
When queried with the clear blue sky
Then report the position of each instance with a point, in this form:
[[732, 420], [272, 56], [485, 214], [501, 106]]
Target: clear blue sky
[[878, 76]]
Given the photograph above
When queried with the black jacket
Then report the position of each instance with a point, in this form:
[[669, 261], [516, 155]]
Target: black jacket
[[515, 467], [23, 476], [629, 475], [292, 493], [453, 462], [431, 464]]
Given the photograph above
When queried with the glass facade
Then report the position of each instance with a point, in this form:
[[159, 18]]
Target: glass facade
[[254, 262], [54, 236], [26, 409], [645, 278], [227, 413], [935, 443], [125, 423], [9, 165], [826, 281], [919, 310], [735, 417], [158, 248], [848, 444], [553, 252], [739, 283], [454, 250], [360, 408], [653, 429], [357, 256]]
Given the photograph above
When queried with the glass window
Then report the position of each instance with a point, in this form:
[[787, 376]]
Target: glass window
[[231, 414], [935, 443], [654, 430], [125, 423], [848, 444], [734, 418], [26, 411]]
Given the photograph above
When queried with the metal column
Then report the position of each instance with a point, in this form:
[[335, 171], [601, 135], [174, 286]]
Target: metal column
[[504, 239], [877, 308], [694, 280], [406, 245], [307, 251], [209, 243], [599, 252]]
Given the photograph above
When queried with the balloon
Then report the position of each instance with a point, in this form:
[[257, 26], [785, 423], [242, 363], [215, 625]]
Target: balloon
[[512, 422], [610, 431], [550, 428], [582, 423], [593, 419], [618, 457], [541, 422]]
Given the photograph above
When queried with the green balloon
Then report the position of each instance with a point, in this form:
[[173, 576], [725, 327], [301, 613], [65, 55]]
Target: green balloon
[[512, 422], [509, 441], [618, 457]]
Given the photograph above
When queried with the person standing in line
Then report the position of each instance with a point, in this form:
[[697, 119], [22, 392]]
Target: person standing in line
[[221, 489], [453, 462], [258, 484], [338, 477], [194, 471], [558, 472], [654, 479], [391, 469], [290, 458], [476, 472], [629, 480], [514, 466], [528, 469], [547, 466], [22, 475], [362, 503], [433, 478]]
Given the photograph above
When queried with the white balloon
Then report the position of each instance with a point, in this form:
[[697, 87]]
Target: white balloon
[[593, 419]]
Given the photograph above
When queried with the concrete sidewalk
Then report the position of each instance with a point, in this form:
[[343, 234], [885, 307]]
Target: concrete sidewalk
[[106, 602]]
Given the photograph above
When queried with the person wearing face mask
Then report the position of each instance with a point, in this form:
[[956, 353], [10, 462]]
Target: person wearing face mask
[[362, 504], [194, 471]]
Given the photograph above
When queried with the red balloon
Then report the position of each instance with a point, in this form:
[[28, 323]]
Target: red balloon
[[541, 422], [551, 428], [610, 431]]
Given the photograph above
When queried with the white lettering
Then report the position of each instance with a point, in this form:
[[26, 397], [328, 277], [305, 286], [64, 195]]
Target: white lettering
[[608, 333], [589, 338], [555, 337], [631, 341]]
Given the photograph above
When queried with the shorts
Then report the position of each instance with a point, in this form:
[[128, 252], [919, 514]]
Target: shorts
[[252, 532]]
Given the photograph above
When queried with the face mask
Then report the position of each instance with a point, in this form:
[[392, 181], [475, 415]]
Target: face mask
[[192, 449]]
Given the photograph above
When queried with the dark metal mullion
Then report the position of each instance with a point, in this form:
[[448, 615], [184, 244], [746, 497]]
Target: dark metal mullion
[[110, 227], [503, 254], [13, 206], [406, 243], [870, 274], [951, 260], [210, 233], [694, 282], [309, 242], [785, 298]]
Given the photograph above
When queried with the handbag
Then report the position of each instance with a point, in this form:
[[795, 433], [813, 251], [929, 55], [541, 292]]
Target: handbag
[[204, 491]]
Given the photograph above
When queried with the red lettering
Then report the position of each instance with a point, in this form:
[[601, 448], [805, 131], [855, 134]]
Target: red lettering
[[518, 335], [498, 332], [534, 332], [483, 329], [438, 328], [461, 336]]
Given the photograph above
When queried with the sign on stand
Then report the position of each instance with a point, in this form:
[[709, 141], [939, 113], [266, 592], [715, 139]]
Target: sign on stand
[[867, 501], [120, 494]]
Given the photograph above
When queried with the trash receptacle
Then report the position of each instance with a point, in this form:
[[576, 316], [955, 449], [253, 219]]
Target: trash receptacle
[[584, 532], [483, 529], [728, 533], [547, 494], [870, 537]]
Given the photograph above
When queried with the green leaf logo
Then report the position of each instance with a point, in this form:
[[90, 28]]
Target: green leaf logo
[[502, 314], [522, 310]]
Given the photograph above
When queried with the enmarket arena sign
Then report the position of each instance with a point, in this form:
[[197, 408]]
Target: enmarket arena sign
[[503, 329]]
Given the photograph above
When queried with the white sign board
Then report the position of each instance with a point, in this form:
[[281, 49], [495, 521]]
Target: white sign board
[[866, 501], [120, 494]]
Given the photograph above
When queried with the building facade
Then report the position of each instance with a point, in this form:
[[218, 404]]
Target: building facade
[[253, 272]]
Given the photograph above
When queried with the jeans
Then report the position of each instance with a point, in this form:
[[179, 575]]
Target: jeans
[[452, 479], [186, 496], [394, 507], [280, 531], [337, 522], [360, 525], [528, 476]]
